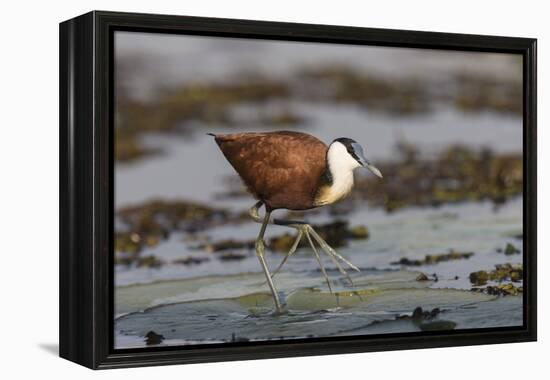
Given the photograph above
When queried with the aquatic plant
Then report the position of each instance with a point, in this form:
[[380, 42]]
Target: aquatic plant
[[434, 258], [147, 224], [502, 272], [455, 174]]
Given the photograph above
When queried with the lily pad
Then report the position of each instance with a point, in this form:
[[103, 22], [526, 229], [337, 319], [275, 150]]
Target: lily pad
[[139, 297]]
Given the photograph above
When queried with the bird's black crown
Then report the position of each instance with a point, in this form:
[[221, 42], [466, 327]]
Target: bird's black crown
[[347, 143]]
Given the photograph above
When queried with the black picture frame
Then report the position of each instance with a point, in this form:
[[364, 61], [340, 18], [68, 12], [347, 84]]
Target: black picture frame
[[86, 188]]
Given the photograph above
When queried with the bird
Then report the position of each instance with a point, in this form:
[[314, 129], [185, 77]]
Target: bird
[[294, 171]]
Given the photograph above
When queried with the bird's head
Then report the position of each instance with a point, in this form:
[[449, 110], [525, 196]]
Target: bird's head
[[346, 154]]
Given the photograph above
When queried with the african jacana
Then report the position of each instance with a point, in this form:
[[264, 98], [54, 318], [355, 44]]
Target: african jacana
[[293, 171]]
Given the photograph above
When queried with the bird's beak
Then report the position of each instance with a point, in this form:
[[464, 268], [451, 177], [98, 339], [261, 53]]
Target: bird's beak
[[364, 162], [373, 169]]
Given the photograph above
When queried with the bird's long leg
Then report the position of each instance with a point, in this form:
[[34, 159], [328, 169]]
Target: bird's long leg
[[260, 249]]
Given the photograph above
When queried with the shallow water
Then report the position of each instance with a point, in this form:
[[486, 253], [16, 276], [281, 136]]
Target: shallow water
[[185, 303], [411, 233], [218, 301]]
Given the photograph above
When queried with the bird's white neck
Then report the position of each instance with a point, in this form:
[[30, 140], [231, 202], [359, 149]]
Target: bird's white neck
[[340, 166]]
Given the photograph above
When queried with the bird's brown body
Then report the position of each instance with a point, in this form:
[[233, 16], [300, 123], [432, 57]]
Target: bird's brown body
[[283, 169]]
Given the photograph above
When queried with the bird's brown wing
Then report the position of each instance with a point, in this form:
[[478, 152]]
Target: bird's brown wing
[[281, 168]]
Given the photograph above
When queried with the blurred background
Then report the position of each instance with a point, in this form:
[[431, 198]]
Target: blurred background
[[444, 226]]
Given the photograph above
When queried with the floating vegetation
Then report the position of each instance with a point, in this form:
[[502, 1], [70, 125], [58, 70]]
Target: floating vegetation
[[152, 338], [502, 272], [191, 260], [227, 244], [500, 290], [479, 278], [425, 320], [420, 315], [235, 338], [422, 277], [156, 219], [147, 224], [466, 91], [475, 93], [509, 250], [343, 84], [128, 242], [456, 174], [232, 256], [434, 259], [150, 261]]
